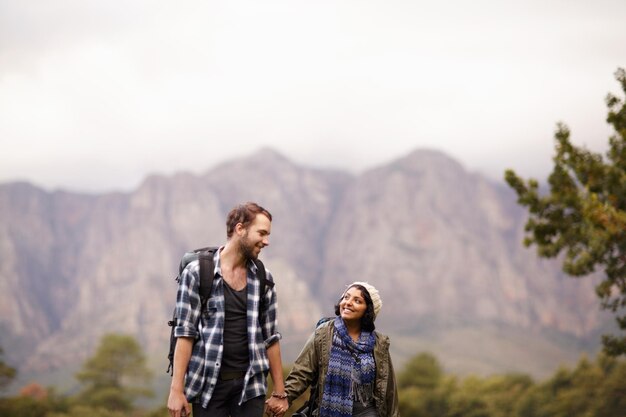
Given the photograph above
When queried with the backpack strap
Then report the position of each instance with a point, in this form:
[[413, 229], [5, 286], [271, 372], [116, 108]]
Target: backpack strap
[[264, 283], [207, 268]]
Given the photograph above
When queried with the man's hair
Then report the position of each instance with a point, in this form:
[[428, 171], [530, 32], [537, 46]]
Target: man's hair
[[367, 321], [244, 214]]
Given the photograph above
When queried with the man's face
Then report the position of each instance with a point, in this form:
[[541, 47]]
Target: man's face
[[255, 237]]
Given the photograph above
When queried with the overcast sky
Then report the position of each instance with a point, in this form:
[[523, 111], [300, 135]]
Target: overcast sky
[[95, 95]]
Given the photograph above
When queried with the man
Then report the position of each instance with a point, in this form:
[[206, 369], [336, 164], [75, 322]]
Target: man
[[223, 354]]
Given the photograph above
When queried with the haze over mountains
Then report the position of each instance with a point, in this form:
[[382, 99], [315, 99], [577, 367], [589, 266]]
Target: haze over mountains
[[442, 245]]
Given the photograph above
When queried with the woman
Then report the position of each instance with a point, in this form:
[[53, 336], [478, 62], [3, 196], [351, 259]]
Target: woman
[[348, 360]]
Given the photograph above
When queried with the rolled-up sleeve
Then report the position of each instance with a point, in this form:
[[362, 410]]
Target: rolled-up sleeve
[[188, 302], [269, 317]]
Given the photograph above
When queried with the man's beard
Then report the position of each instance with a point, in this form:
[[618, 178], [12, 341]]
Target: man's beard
[[247, 249]]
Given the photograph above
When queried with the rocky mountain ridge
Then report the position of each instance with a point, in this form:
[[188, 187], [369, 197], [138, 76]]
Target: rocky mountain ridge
[[442, 245]]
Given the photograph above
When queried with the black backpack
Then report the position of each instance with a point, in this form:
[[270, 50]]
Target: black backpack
[[205, 257]]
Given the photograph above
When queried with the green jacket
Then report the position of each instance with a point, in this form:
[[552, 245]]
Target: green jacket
[[314, 357]]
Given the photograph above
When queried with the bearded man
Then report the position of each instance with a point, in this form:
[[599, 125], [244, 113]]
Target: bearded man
[[224, 353]]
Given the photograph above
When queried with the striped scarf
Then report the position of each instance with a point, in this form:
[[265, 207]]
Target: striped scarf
[[351, 372]]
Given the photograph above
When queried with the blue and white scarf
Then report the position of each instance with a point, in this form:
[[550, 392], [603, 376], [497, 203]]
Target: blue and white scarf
[[351, 372]]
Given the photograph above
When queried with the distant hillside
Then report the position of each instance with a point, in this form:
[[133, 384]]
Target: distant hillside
[[442, 245]]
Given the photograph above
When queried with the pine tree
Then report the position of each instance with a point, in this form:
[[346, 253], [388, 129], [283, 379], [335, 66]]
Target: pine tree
[[7, 373], [116, 375], [583, 217]]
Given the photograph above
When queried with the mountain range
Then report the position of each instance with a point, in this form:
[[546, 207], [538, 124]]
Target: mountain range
[[443, 246]]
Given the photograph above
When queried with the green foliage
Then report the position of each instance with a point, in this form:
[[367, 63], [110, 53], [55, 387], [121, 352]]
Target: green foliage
[[24, 407], [584, 214], [29, 406], [532, 403], [426, 391], [573, 392], [463, 404], [501, 392], [7, 373], [86, 411], [159, 412], [591, 389], [423, 371], [418, 402], [595, 389], [611, 395], [116, 375]]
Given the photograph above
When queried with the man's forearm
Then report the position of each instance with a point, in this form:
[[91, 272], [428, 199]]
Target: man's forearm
[[182, 356], [276, 367], [277, 404]]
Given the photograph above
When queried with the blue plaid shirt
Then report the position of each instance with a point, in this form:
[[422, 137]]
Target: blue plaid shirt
[[206, 357]]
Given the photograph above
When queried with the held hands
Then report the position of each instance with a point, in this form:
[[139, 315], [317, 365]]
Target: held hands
[[276, 405]]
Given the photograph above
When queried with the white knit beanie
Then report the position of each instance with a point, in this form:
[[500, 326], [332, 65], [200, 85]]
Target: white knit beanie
[[374, 295]]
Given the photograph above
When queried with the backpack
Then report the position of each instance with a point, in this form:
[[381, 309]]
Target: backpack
[[205, 257]]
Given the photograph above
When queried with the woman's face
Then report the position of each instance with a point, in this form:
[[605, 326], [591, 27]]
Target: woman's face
[[352, 306]]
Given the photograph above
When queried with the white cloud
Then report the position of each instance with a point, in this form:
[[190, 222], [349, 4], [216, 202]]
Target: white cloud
[[95, 95]]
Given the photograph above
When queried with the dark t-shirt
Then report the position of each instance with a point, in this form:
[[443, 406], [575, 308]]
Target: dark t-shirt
[[235, 357]]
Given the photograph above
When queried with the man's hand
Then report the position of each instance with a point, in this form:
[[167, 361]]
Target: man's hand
[[177, 404], [276, 407]]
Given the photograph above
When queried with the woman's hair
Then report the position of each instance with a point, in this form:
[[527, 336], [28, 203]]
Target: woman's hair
[[367, 321], [244, 214]]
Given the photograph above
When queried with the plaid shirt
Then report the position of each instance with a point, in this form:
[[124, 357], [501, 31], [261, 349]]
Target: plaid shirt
[[206, 357]]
